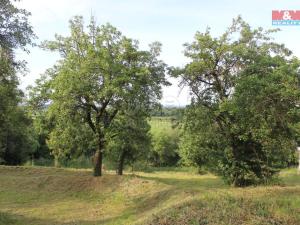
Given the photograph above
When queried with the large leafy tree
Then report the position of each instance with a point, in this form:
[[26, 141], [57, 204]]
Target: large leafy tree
[[16, 137], [68, 137], [245, 88], [99, 73]]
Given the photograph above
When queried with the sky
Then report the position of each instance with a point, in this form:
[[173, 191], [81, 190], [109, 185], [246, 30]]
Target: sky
[[171, 22]]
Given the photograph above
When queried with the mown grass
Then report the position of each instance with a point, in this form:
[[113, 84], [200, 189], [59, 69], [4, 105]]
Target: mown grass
[[36, 195]]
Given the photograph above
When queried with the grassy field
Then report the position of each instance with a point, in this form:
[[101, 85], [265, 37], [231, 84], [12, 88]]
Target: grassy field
[[36, 195], [162, 124]]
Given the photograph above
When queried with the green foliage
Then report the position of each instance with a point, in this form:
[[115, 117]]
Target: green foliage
[[245, 93], [71, 139], [200, 141], [15, 29], [164, 151], [130, 139], [17, 139], [100, 74], [38, 101]]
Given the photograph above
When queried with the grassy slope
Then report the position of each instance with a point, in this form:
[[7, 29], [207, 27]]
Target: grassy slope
[[64, 196], [161, 124]]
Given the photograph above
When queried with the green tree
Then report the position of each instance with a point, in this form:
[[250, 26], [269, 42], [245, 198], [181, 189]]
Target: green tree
[[15, 30], [200, 140], [38, 101], [17, 140], [130, 138], [165, 138], [164, 150], [100, 71], [246, 88], [64, 138], [70, 138]]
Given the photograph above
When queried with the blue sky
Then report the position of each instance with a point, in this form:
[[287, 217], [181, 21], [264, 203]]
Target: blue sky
[[171, 22]]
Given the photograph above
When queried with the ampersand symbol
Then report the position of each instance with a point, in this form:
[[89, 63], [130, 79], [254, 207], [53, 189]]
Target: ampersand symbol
[[286, 15]]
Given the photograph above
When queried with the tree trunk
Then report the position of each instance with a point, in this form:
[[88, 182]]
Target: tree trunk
[[121, 163], [98, 157], [56, 162], [98, 163], [299, 159]]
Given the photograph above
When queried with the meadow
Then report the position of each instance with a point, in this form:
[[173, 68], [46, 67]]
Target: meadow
[[41, 195]]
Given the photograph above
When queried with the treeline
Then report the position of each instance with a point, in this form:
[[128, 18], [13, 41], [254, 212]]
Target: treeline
[[101, 101], [17, 137], [172, 112]]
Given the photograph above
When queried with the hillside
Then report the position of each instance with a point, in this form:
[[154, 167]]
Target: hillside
[[35, 195]]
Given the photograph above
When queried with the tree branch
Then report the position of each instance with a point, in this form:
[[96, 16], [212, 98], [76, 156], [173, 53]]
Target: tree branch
[[89, 119]]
